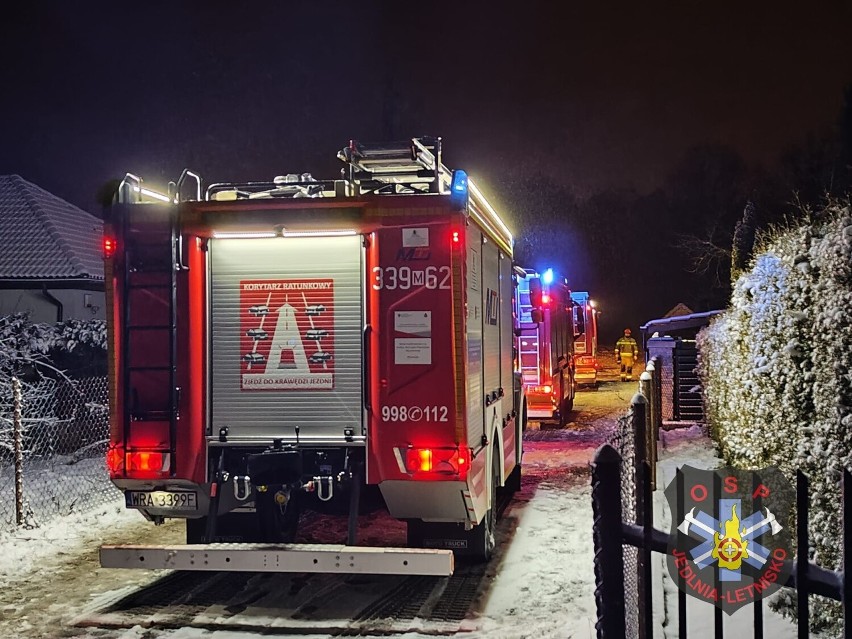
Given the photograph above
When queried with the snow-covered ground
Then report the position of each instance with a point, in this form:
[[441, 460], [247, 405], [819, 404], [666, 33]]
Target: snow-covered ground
[[540, 583], [56, 485]]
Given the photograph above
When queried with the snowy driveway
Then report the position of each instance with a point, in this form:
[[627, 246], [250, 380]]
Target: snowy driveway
[[540, 583]]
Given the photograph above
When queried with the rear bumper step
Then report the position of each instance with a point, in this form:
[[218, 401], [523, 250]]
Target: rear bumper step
[[322, 558]]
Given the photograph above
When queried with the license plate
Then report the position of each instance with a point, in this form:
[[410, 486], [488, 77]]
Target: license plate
[[161, 499]]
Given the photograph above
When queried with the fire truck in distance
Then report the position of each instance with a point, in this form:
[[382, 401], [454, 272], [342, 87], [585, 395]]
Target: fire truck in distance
[[288, 345], [586, 344], [545, 344]]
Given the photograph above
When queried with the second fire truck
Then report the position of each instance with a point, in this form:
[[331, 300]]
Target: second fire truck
[[545, 344]]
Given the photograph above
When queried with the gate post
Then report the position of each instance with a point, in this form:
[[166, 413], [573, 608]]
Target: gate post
[[17, 425], [643, 446], [641, 439], [606, 532], [655, 399]]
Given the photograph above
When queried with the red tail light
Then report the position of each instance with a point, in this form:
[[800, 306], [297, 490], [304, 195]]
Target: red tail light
[[419, 460], [109, 246], [545, 299], [147, 463], [437, 462]]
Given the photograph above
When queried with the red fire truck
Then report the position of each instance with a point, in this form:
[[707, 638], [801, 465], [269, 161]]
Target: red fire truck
[[280, 346], [545, 344], [586, 344]]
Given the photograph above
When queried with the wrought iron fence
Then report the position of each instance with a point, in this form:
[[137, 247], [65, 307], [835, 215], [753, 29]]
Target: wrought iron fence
[[625, 540], [635, 441], [53, 441], [623, 441]]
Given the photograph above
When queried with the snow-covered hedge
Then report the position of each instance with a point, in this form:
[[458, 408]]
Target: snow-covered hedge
[[777, 370], [74, 348], [64, 345]]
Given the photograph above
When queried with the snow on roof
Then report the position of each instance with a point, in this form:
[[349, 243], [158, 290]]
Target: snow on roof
[[679, 322], [44, 237]]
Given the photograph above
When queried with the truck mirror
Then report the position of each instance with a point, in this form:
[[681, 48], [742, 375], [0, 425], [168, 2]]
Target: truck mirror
[[535, 293], [537, 315]]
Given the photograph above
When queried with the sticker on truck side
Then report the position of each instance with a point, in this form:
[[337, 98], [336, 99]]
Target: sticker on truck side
[[413, 323], [286, 334], [403, 278], [415, 413], [412, 350]]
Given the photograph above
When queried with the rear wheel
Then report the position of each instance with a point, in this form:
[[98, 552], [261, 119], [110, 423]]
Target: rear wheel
[[568, 402], [483, 535]]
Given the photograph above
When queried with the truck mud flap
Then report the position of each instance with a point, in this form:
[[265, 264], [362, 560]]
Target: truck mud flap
[[307, 558], [445, 536]]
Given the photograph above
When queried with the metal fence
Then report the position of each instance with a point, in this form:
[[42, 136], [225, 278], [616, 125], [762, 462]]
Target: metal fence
[[53, 441], [633, 442], [625, 538], [611, 532], [624, 442]]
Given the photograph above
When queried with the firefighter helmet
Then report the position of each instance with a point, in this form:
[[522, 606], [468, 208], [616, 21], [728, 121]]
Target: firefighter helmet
[[626, 332]]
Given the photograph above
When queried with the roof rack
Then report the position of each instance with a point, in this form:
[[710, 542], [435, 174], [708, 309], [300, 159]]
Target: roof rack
[[293, 185]]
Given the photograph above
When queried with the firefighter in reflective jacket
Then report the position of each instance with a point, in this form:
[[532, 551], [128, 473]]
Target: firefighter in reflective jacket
[[626, 353]]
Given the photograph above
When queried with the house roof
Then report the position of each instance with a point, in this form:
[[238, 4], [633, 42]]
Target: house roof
[[44, 237], [679, 310], [677, 323]]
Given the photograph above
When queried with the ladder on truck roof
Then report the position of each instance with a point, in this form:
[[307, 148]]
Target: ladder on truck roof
[[409, 166], [415, 166], [393, 168]]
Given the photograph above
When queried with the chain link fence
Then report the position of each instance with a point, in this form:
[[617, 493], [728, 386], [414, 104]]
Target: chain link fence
[[57, 465], [623, 441]]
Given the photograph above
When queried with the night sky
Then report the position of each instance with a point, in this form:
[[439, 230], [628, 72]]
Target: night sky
[[589, 95]]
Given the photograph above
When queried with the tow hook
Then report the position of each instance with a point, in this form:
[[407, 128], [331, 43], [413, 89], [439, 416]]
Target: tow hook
[[316, 485], [242, 487]]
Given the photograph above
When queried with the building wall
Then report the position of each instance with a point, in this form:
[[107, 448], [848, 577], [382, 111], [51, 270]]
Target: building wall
[[76, 304]]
